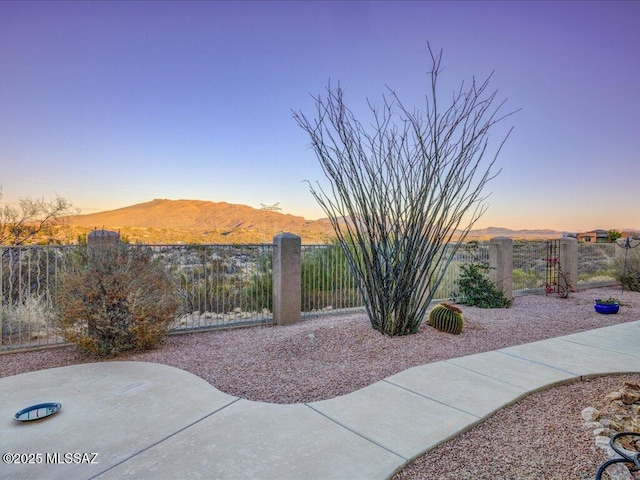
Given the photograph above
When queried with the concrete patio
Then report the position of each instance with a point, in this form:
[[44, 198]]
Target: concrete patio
[[151, 421]]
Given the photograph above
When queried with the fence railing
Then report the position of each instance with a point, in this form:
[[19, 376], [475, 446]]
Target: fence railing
[[219, 285], [28, 275], [596, 264], [232, 285], [529, 267], [327, 283]]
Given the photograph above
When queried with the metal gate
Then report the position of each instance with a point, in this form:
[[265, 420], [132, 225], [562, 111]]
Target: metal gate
[[556, 281]]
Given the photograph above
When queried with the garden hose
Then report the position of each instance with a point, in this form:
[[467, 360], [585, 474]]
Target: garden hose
[[624, 454]]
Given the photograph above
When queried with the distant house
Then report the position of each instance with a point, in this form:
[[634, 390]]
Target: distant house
[[597, 236], [594, 236]]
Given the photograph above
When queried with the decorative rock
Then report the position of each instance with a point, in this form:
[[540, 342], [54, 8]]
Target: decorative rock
[[602, 442], [603, 432], [630, 397], [613, 396], [621, 412], [593, 425], [590, 414], [618, 471], [612, 424]]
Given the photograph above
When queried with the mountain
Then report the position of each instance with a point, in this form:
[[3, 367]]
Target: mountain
[[197, 221], [490, 232], [163, 221]]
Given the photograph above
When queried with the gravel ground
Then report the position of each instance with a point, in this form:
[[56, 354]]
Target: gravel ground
[[538, 437]]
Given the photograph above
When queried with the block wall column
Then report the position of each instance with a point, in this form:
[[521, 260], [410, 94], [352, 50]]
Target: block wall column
[[501, 265], [287, 279], [568, 258]]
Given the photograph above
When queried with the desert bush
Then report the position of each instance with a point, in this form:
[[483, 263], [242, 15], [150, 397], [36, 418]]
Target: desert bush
[[26, 320], [629, 275], [476, 289], [116, 299]]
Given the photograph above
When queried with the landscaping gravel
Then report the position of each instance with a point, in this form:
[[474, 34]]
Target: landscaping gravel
[[538, 437]]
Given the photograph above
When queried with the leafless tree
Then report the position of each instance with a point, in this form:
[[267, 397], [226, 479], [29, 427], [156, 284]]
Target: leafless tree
[[30, 218], [404, 192]]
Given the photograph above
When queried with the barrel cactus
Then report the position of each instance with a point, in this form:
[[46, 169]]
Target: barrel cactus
[[447, 317]]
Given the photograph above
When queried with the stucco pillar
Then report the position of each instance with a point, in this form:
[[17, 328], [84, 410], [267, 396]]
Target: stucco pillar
[[287, 271], [501, 265], [568, 258], [103, 238]]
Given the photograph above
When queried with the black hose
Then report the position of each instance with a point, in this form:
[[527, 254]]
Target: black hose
[[624, 454], [635, 459]]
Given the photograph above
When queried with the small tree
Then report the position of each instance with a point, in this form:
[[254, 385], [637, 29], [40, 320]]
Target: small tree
[[613, 235], [403, 190], [32, 217]]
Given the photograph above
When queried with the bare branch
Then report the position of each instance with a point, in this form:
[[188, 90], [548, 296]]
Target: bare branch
[[30, 219]]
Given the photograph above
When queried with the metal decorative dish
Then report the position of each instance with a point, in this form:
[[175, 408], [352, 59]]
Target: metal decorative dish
[[36, 412]]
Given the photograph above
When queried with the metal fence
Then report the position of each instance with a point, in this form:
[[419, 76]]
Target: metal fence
[[327, 283], [220, 285], [596, 264], [231, 285], [28, 275], [529, 267]]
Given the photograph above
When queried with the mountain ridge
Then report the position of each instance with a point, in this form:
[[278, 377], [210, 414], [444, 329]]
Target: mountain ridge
[[222, 222]]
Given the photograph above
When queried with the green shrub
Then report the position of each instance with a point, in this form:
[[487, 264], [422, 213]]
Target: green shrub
[[477, 290], [117, 299], [629, 275]]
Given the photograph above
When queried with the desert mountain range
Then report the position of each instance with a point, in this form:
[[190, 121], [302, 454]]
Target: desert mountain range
[[197, 221]]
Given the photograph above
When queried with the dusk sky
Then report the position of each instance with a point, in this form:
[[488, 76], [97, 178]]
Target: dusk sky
[[109, 104]]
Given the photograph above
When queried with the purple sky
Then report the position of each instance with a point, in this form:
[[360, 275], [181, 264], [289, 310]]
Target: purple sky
[[109, 104]]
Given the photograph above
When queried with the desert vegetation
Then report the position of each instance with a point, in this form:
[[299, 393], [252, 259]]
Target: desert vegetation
[[627, 270], [404, 187], [113, 300]]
